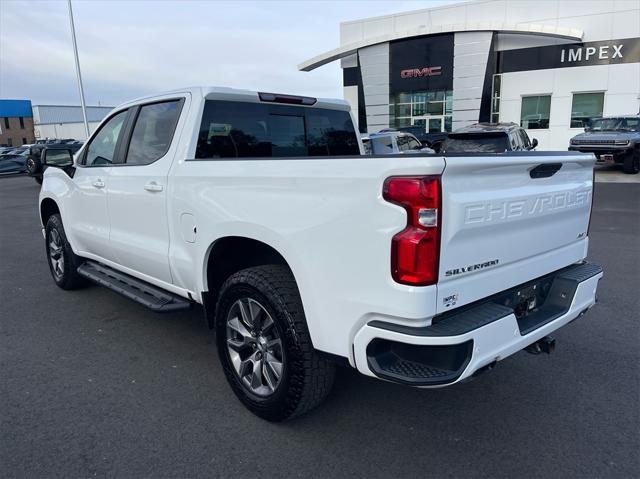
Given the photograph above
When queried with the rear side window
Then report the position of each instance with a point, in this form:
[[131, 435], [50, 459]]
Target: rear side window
[[255, 130], [153, 132], [330, 132]]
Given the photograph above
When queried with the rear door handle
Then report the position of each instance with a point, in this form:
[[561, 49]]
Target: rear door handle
[[98, 183], [153, 186]]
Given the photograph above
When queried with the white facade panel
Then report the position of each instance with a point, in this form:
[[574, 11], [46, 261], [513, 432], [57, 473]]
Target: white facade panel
[[467, 94], [531, 11], [463, 71], [351, 95], [470, 49], [63, 130], [374, 67], [470, 104], [626, 24], [349, 62], [620, 83]]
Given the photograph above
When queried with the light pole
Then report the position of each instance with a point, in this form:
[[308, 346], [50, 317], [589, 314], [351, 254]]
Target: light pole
[[80, 87]]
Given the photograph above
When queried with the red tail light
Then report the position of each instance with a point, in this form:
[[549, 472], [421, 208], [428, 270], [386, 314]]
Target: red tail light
[[415, 251]]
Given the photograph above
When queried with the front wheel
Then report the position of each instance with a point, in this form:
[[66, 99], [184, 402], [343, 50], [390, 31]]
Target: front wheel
[[63, 263], [265, 347], [632, 163]]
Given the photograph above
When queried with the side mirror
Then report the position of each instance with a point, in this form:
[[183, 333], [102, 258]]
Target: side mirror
[[534, 143], [59, 158]]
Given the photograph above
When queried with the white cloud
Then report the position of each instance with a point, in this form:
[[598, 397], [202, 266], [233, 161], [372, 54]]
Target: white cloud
[[128, 49]]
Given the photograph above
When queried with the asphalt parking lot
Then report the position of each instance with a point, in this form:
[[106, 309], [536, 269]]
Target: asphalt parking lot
[[94, 385]]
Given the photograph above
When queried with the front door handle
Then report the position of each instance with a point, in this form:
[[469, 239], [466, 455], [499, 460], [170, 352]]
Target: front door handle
[[153, 186], [98, 183]]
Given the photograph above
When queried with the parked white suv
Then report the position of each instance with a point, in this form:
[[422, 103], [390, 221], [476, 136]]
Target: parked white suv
[[423, 270], [393, 142]]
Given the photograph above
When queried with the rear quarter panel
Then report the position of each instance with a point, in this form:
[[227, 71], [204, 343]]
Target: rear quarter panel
[[326, 217]]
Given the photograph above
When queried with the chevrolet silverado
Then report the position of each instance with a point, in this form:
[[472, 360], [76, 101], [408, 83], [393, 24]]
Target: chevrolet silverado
[[419, 269]]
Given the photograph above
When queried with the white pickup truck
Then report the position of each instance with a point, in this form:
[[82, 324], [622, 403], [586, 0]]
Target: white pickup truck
[[419, 269]]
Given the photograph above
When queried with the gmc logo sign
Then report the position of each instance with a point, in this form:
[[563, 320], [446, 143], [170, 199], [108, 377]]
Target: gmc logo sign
[[421, 72]]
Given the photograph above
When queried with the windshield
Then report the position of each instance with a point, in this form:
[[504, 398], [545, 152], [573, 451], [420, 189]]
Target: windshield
[[480, 143], [615, 124]]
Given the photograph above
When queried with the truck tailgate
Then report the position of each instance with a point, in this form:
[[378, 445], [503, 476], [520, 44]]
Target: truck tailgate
[[507, 219]]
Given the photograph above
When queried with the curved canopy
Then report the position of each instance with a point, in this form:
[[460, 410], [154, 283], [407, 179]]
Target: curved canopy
[[523, 28]]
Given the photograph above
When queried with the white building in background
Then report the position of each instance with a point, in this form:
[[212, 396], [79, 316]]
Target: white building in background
[[548, 65], [59, 121]]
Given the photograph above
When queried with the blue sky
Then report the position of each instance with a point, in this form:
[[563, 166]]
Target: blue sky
[[133, 48]]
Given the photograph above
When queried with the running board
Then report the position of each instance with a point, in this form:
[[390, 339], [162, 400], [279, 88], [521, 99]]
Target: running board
[[152, 297]]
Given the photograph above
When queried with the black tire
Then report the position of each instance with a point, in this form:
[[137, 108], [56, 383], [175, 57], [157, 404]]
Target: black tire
[[631, 164], [33, 165], [305, 379], [38, 179], [65, 274]]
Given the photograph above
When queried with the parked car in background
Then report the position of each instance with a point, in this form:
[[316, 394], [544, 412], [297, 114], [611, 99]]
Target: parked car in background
[[35, 166], [489, 138], [13, 161], [55, 141], [614, 140], [393, 142], [433, 140]]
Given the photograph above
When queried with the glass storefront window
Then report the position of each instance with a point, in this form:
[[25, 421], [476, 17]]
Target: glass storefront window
[[495, 98], [586, 106], [534, 113], [418, 109], [403, 109], [435, 108], [403, 98], [430, 109]]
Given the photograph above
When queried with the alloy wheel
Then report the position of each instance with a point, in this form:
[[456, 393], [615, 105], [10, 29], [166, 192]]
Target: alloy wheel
[[56, 255], [254, 346]]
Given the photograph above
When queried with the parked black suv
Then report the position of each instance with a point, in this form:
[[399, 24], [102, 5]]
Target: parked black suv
[[35, 164], [489, 138], [612, 140]]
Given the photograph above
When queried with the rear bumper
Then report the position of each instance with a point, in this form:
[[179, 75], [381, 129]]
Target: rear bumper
[[464, 342]]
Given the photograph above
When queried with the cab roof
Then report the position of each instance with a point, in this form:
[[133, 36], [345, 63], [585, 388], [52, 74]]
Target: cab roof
[[236, 94]]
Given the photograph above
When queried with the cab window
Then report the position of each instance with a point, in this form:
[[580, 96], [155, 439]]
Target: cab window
[[102, 148], [232, 129], [153, 132]]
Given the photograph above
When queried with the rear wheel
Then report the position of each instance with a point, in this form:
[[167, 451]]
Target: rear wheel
[[63, 263], [265, 347], [632, 163]]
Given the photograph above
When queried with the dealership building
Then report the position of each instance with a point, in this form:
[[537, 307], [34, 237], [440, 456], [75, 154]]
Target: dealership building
[[548, 65]]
